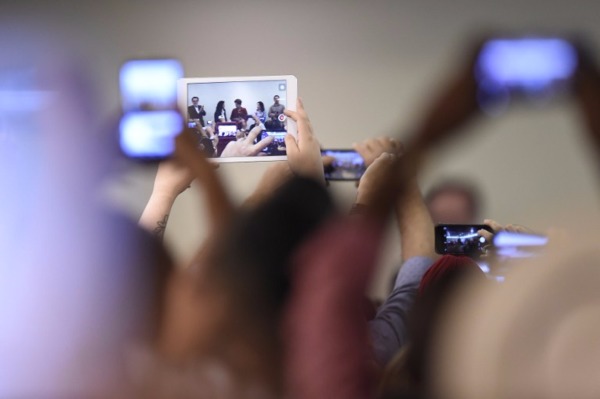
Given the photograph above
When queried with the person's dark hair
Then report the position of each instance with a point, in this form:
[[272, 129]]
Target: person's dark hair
[[220, 106], [195, 97], [276, 96], [254, 260], [238, 101], [465, 188], [261, 106]]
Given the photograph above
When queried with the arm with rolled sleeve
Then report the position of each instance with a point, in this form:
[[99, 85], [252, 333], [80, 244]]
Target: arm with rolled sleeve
[[389, 327]]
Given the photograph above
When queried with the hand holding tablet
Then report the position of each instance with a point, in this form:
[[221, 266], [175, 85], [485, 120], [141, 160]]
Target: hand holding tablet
[[304, 152]]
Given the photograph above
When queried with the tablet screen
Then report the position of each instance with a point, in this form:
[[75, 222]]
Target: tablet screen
[[245, 114]]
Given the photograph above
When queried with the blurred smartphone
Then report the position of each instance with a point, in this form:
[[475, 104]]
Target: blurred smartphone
[[347, 165], [519, 245], [460, 239], [277, 146], [530, 67], [227, 129], [149, 99]]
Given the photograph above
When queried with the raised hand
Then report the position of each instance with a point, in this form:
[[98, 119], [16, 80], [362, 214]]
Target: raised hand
[[245, 147], [371, 149], [304, 153]]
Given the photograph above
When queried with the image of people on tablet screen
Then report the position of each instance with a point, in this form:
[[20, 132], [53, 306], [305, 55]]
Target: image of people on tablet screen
[[240, 133]]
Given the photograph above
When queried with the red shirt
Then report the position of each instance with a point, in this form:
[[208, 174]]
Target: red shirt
[[239, 113]]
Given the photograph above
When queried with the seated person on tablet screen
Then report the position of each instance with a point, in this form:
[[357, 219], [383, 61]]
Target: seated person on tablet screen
[[239, 113]]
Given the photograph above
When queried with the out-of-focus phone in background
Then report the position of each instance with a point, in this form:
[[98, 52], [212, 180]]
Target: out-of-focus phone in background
[[150, 117], [535, 68], [460, 239], [346, 165], [519, 245]]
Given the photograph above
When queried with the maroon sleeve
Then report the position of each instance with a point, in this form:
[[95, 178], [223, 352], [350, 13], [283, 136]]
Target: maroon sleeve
[[325, 331]]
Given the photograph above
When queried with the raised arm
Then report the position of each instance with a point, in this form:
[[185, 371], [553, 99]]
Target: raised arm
[[389, 327], [172, 178], [414, 221]]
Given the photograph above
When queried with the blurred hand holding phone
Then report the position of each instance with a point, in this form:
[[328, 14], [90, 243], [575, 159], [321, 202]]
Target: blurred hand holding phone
[[493, 73], [461, 239], [535, 68], [346, 165], [150, 119]]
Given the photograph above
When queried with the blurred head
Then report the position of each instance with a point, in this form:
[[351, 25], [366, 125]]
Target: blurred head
[[220, 105], [257, 269], [99, 284], [408, 373], [195, 100], [97, 278], [276, 99], [260, 106], [533, 336], [241, 289], [238, 103], [454, 202]]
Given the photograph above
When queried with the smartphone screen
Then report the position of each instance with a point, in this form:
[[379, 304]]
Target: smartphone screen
[[530, 67], [149, 100], [460, 239], [277, 146], [346, 165]]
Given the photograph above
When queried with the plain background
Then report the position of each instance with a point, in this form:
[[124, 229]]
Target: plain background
[[364, 68]]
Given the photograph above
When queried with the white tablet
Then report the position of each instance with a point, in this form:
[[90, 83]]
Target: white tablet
[[225, 110]]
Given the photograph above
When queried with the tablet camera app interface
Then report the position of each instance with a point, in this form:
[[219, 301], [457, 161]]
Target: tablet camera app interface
[[226, 112]]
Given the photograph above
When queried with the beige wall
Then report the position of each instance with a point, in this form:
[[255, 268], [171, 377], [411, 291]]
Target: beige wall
[[364, 69]]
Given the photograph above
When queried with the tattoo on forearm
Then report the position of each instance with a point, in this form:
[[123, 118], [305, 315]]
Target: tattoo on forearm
[[161, 225]]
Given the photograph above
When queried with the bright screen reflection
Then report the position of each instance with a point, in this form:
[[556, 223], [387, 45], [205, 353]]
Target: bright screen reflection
[[150, 134], [149, 84], [531, 63]]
